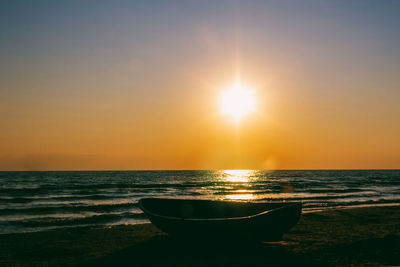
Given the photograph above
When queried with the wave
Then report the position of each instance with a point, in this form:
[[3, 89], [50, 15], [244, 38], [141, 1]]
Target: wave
[[95, 219], [16, 190], [66, 209]]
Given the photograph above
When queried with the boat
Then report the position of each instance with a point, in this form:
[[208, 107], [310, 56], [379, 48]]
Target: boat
[[215, 219]]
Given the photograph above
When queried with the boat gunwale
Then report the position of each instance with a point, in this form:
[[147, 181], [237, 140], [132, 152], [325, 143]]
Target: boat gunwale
[[212, 219]]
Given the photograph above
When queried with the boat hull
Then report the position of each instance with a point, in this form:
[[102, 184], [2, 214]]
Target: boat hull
[[213, 219]]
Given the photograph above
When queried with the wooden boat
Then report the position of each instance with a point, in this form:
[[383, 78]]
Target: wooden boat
[[213, 219]]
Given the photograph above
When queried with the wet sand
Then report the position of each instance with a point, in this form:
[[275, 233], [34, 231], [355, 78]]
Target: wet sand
[[362, 236]]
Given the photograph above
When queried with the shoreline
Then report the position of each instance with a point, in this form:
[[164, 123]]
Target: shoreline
[[362, 206], [140, 222], [360, 236]]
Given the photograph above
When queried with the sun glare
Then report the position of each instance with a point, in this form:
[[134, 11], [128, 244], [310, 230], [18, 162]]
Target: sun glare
[[237, 101]]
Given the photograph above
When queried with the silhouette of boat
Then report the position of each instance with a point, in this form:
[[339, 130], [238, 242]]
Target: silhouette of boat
[[213, 219]]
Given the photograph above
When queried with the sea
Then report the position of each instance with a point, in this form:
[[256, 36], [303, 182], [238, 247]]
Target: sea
[[38, 201]]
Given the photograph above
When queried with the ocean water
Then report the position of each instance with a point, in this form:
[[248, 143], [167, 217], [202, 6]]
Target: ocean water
[[36, 201]]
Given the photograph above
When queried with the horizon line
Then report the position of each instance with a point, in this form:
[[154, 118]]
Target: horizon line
[[121, 170]]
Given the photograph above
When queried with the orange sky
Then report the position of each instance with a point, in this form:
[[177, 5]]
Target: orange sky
[[126, 87]]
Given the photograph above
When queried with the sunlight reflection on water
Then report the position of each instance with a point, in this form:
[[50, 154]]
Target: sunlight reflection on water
[[239, 176], [240, 197]]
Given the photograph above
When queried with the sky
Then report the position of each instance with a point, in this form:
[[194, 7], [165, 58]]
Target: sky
[[131, 85]]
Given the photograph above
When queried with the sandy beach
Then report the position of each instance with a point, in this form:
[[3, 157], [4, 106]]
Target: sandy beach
[[362, 236]]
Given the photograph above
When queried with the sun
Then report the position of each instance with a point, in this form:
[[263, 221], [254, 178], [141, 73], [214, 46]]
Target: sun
[[237, 101]]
